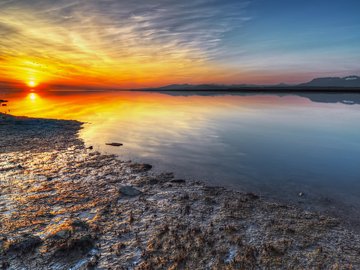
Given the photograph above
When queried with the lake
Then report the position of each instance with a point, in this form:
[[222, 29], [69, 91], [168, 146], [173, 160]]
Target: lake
[[279, 145]]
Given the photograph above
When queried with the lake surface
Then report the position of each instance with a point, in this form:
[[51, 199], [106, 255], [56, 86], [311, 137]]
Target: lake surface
[[274, 144]]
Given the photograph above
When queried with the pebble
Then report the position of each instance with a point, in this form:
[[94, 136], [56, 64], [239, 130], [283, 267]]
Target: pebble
[[129, 191], [115, 144]]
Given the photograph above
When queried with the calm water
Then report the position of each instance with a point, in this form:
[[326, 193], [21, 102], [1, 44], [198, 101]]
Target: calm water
[[274, 144]]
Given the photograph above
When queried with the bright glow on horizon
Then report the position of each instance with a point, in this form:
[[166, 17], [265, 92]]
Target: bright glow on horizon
[[32, 83]]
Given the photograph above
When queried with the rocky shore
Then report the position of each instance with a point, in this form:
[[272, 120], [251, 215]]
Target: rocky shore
[[63, 206]]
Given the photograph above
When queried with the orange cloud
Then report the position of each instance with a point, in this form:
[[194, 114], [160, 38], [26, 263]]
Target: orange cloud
[[118, 44]]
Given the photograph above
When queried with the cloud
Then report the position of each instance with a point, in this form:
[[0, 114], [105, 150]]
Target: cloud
[[127, 38]]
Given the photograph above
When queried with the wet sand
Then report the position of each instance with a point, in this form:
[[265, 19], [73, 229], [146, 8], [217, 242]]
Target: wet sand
[[64, 206]]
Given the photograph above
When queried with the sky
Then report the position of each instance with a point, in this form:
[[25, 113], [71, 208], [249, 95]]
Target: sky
[[144, 43]]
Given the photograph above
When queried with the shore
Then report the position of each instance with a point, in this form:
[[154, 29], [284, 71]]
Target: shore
[[64, 206]]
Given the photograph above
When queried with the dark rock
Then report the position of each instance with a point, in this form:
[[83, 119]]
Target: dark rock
[[274, 249], [187, 210], [185, 197], [5, 265], [114, 144], [213, 191], [252, 196], [131, 218], [153, 181], [129, 191], [136, 167], [81, 243], [165, 177], [25, 243], [209, 200], [90, 147], [47, 215], [63, 234], [178, 181], [82, 225]]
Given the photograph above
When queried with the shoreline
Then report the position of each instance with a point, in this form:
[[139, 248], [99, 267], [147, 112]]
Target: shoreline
[[64, 206]]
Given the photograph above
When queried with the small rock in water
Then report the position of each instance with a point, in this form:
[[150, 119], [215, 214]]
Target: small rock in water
[[178, 181], [129, 191], [301, 194], [114, 144]]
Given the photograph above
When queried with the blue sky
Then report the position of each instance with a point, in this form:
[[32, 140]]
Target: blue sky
[[300, 38]]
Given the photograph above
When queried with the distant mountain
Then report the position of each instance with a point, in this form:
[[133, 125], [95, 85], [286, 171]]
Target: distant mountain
[[318, 83], [199, 87], [350, 81], [191, 87]]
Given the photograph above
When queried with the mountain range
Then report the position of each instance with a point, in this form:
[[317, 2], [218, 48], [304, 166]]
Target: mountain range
[[349, 81], [327, 83]]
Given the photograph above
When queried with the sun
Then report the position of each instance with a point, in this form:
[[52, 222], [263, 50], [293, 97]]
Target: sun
[[32, 83]]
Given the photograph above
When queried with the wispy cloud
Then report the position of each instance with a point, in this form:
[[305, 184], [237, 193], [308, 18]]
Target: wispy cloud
[[115, 41]]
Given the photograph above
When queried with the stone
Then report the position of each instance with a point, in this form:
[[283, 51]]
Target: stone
[[24, 243], [137, 167], [82, 225], [63, 234], [129, 191], [178, 181], [114, 144], [252, 196], [82, 243]]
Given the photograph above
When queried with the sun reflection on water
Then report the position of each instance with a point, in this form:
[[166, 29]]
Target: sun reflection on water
[[32, 96]]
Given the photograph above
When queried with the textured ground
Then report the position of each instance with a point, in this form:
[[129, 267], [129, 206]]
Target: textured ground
[[66, 207]]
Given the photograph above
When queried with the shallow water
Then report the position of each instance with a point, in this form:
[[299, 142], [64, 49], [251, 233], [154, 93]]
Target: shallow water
[[277, 145]]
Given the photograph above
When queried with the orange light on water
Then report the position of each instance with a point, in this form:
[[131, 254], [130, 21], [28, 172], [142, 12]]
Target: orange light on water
[[32, 96]]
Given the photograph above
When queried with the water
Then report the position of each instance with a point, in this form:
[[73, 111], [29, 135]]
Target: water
[[275, 144]]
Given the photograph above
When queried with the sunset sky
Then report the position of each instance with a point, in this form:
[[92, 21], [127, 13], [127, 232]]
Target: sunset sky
[[143, 43]]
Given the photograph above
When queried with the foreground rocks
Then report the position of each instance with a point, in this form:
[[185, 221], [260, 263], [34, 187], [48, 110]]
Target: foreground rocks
[[66, 207]]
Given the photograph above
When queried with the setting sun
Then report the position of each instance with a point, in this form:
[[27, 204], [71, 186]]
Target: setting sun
[[32, 83]]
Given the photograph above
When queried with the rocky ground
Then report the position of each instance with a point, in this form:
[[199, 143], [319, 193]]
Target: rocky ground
[[63, 206]]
